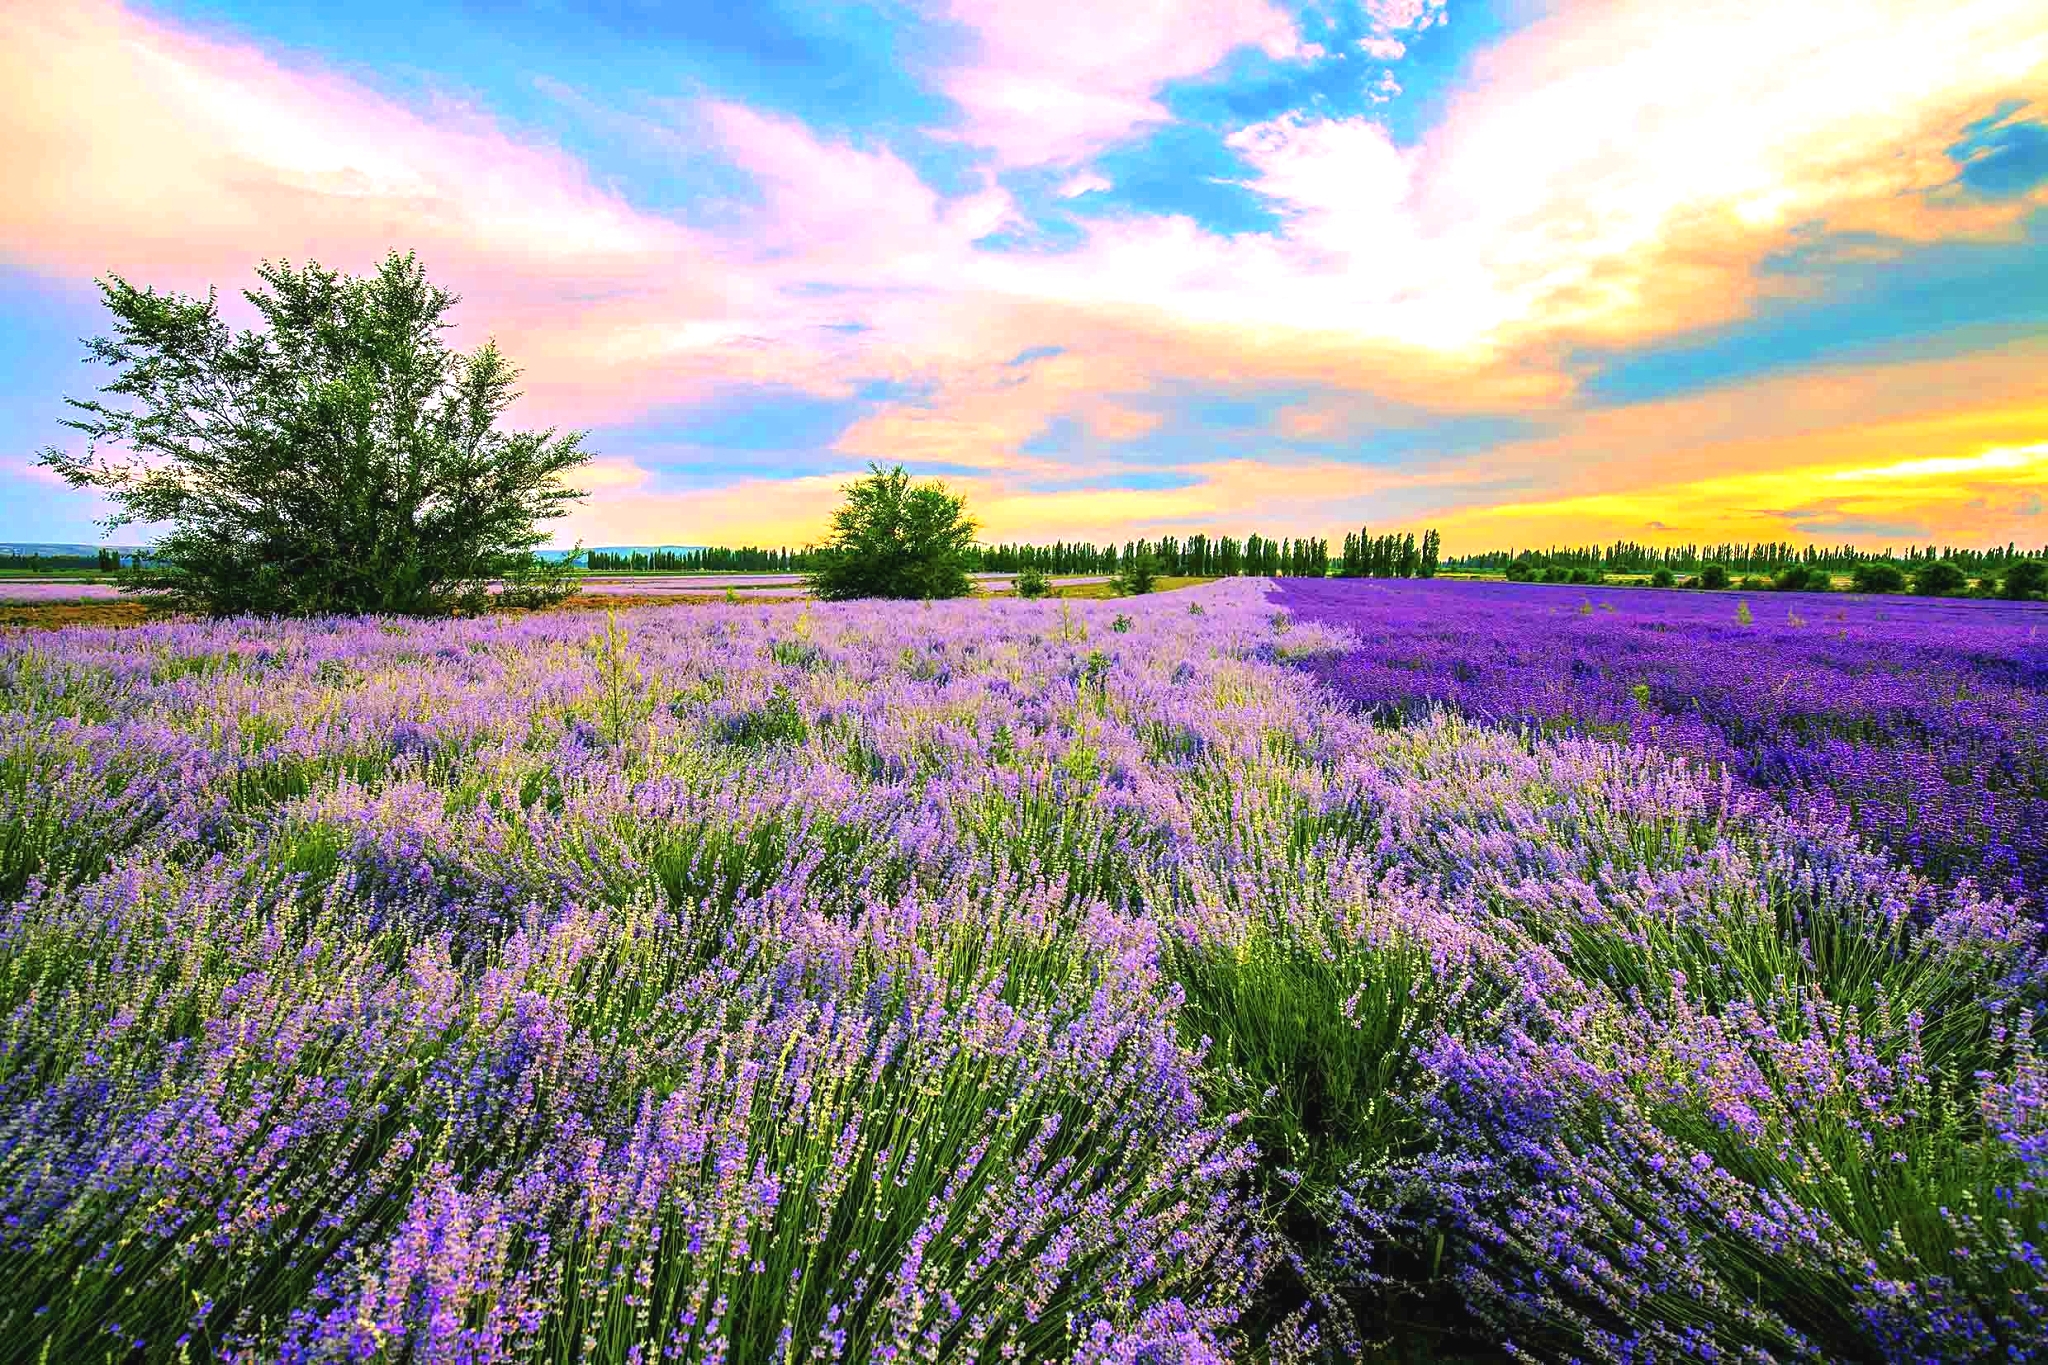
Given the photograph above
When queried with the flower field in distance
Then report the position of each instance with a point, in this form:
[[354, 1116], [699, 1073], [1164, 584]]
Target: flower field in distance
[[1924, 722], [1146, 980]]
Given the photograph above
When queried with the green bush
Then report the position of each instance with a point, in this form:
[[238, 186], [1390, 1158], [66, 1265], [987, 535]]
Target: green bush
[[1521, 571], [1138, 576], [1714, 577], [893, 538], [1661, 577], [344, 460], [1940, 578], [1032, 582], [1878, 576], [1802, 578], [2025, 579]]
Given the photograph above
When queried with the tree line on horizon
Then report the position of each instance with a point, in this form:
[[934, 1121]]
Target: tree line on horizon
[[345, 460], [103, 560], [1762, 557], [1196, 556], [1200, 555], [1364, 555]]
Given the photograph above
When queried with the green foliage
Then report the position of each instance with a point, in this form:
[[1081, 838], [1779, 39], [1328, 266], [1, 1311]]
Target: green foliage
[[1876, 577], [622, 691], [1313, 1033], [777, 721], [1714, 577], [1138, 576], [1940, 578], [1801, 578], [1032, 582], [2025, 579], [894, 538], [1662, 577], [1743, 615], [343, 459], [1521, 571]]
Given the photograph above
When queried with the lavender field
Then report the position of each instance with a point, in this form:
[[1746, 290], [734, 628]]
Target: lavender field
[[1242, 973]]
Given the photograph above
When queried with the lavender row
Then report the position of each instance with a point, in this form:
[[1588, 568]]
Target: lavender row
[[1926, 723]]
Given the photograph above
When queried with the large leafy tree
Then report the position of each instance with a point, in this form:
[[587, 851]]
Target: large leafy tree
[[2025, 578], [1939, 578], [893, 537], [340, 459]]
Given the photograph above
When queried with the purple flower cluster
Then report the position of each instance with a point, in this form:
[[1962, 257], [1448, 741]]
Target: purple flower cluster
[[974, 981], [1924, 722]]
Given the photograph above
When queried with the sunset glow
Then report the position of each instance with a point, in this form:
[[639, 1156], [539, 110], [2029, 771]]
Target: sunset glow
[[1526, 272]]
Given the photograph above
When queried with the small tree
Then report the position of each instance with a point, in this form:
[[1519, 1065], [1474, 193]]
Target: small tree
[[1138, 575], [344, 459], [894, 538], [1661, 577], [1032, 582], [1714, 577], [2024, 579], [1876, 576], [1939, 578]]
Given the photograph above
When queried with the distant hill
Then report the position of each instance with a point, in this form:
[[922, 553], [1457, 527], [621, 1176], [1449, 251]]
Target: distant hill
[[23, 547]]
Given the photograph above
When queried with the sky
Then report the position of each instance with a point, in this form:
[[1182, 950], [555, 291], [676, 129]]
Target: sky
[[1527, 272]]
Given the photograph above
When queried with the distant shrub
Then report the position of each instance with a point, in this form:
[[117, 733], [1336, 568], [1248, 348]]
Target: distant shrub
[[1138, 576], [1939, 579], [2028, 578], [1714, 576], [1521, 571], [1584, 576], [1755, 583], [1802, 578], [894, 538], [1557, 573], [1878, 577], [1662, 578], [1032, 582]]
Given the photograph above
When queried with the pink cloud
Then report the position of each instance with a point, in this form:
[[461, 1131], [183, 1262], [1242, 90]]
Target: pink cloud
[[1618, 171], [836, 207], [133, 144], [1058, 80], [1401, 16]]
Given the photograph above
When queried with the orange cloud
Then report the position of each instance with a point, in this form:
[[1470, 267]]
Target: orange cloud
[[1614, 173]]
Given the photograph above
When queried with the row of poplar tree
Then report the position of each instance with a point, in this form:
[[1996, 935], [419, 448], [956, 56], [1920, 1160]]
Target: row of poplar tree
[[1764, 557], [1197, 556]]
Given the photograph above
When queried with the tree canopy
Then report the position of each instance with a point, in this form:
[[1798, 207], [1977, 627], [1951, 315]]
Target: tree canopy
[[340, 459], [893, 537]]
